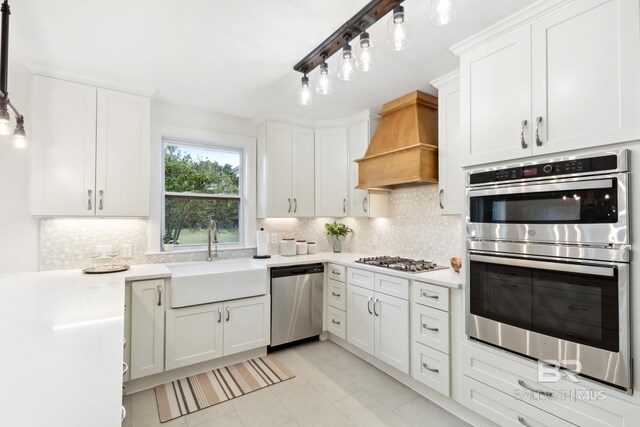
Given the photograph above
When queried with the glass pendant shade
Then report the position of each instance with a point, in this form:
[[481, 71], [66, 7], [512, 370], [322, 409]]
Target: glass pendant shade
[[364, 57], [443, 11], [19, 135], [324, 85], [398, 29], [5, 124], [304, 94], [346, 64]]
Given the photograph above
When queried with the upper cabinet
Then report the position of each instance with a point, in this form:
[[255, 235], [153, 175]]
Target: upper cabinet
[[90, 151], [450, 175], [332, 170], [285, 171], [568, 78]]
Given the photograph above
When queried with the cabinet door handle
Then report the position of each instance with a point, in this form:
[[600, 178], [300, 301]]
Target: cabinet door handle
[[538, 141], [101, 205], [528, 387], [364, 204], [89, 197], [219, 315], [125, 368], [428, 328], [123, 414], [344, 205], [428, 368], [159, 295], [369, 305], [334, 321], [524, 422], [523, 143], [289, 200], [335, 295], [336, 272], [228, 314], [295, 205], [374, 307], [440, 194], [426, 295]]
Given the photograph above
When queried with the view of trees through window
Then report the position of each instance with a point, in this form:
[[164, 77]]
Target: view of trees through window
[[201, 184]]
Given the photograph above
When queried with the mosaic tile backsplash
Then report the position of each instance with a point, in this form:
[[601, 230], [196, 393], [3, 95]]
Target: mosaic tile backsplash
[[414, 229]]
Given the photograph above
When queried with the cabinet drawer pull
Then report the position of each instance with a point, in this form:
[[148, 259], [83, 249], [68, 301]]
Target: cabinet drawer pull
[[523, 143], [528, 387], [219, 315], [101, 205], [440, 194], [123, 414], [335, 295], [374, 308], [336, 272], [125, 368], [295, 205], [364, 204], [428, 368], [369, 305], [124, 343], [524, 422], [344, 205], [159, 295], [426, 295], [289, 201], [427, 327], [538, 140], [334, 321], [228, 314], [89, 204]]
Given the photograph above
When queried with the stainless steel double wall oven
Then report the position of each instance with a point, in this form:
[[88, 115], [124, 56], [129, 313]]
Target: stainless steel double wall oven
[[548, 273]]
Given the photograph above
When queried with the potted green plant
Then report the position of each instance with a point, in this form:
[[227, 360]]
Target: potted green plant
[[167, 241], [337, 230]]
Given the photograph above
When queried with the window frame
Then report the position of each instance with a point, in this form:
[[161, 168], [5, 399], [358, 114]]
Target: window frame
[[240, 196]]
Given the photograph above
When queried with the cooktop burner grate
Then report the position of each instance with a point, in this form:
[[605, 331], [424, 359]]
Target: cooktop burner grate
[[401, 264]]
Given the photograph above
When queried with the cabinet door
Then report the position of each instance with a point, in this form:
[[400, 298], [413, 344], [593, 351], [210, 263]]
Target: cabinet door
[[358, 142], [246, 324], [279, 203], [147, 328], [63, 150], [392, 331], [495, 92], [122, 160], [360, 327], [194, 334], [586, 75], [331, 172], [303, 175], [450, 174]]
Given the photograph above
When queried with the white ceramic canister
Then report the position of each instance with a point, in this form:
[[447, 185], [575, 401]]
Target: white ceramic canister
[[301, 246], [288, 246], [312, 248]]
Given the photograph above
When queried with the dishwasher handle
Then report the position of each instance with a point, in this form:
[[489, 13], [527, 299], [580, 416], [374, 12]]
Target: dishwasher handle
[[297, 270]]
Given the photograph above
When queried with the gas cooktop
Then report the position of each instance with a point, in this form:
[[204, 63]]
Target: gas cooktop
[[402, 264]]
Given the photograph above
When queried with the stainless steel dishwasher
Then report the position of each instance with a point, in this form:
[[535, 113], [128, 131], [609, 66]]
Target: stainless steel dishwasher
[[296, 303]]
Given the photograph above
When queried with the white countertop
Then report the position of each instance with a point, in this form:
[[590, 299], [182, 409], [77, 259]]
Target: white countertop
[[62, 346], [447, 278]]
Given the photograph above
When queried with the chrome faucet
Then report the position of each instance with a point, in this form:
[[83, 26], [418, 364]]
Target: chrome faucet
[[213, 238]]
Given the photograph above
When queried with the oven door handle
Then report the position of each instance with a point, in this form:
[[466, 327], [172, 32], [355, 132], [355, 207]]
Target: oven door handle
[[543, 188], [593, 270]]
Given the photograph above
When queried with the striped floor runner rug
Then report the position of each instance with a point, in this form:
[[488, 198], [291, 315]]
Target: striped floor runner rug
[[191, 394]]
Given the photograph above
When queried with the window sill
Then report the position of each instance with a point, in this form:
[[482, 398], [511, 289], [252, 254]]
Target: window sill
[[199, 250]]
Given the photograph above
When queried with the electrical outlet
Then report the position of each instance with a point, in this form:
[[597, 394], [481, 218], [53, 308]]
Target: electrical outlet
[[103, 250], [127, 251], [274, 238]]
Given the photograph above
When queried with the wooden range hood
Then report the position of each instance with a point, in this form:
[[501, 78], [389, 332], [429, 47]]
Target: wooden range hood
[[404, 149]]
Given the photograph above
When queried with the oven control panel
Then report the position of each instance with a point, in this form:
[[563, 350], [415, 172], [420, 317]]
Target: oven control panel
[[565, 167]]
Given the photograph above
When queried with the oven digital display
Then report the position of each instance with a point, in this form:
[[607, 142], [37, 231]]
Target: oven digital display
[[529, 172]]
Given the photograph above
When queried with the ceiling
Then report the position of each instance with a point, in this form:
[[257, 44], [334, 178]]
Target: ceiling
[[236, 57]]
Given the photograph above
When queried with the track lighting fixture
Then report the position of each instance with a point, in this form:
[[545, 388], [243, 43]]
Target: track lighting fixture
[[364, 57], [398, 28], [347, 63], [304, 95], [324, 87]]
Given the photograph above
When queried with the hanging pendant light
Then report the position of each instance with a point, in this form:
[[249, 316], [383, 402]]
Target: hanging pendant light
[[19, 135], [304, 94], [324, 85], [443, 11], [346, 63], [5, 103], [5, 125], [364, 57], [398, 28]]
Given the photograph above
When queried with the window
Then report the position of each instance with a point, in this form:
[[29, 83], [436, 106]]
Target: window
[[201, 183]]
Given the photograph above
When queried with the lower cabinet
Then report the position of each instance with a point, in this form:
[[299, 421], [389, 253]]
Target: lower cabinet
[[200, 333], [147, 328], [431, 367]]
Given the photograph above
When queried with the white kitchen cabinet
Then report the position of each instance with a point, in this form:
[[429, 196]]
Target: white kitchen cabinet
[[363, 203], [450, 174], [360, 324], [286, 165], [193, 335], [391, 317], [90, 151], [332, 172], [147, 328], [567, 78], [246, 324]]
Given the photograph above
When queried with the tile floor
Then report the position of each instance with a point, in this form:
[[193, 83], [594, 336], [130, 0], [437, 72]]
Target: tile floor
[[332, 388]]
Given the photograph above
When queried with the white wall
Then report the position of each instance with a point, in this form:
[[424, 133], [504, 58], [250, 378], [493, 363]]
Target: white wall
[[19, 231]]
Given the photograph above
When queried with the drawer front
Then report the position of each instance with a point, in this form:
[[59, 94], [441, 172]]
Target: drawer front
[[337, 323], [513, 376], [430, 295], [362, 278], [430, 367], [337, 294], [337, 272], [391, 285], [430, 327], [503, 409]]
